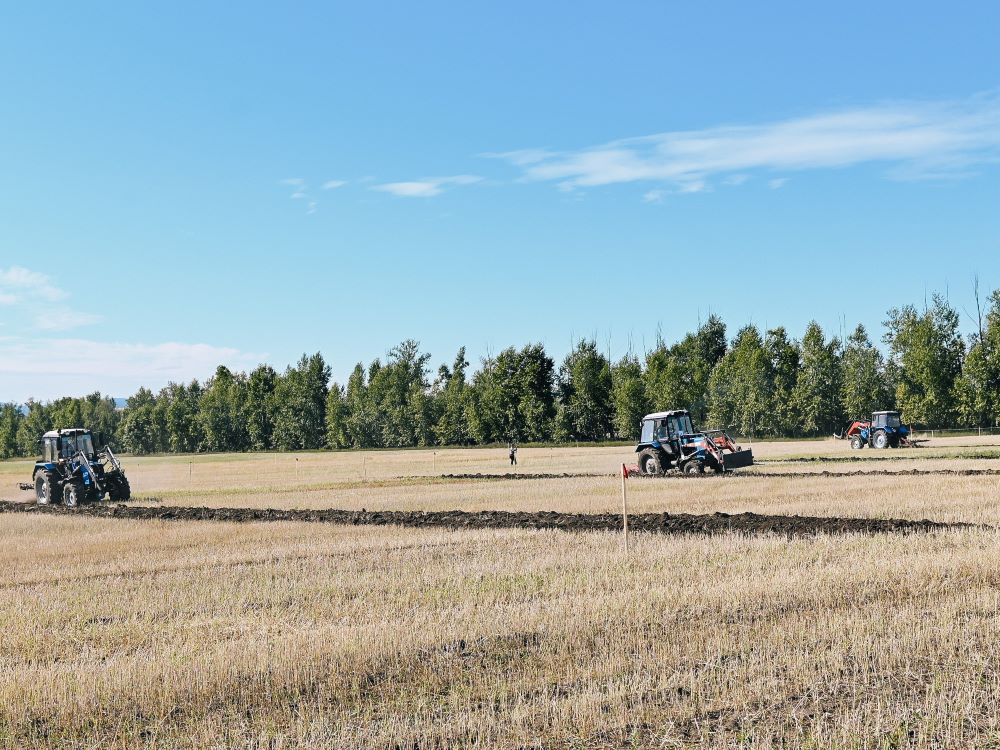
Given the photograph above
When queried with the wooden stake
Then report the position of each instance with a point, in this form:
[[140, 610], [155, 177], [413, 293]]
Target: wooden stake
[[624, 508]]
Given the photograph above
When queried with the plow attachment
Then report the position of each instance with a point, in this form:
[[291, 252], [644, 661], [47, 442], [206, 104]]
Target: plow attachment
[[25, 486]]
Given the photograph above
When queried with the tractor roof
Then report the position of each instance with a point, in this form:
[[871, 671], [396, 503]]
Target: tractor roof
[[890, 411], [67, 431], [662, 414]]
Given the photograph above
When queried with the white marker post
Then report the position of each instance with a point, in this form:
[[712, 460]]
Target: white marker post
[[625, 507]]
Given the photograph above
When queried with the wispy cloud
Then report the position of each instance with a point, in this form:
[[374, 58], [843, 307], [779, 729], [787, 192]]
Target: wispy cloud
[[777, 182], [64, 319], [18, 283], [301, 191], [426, 187], [33, 296], [49, 367], [913, 139]]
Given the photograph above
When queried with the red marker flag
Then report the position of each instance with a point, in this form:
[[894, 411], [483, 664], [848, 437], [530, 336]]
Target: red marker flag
[[624, 471]]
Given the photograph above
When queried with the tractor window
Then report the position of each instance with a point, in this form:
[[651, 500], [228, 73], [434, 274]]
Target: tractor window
[[892, 420], [50, 453], [73, 444], [662, 432], [680, 425], [647, 431]]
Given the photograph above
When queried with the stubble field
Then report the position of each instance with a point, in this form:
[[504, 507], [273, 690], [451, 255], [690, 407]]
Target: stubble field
[[158, 633]]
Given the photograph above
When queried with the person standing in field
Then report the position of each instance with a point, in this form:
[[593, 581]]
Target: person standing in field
[[513, 454]]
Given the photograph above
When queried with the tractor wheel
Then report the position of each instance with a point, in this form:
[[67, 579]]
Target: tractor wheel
[[857, 443], [649, 463], [72, 492], [694, 467], [880, 441], [43, 488]]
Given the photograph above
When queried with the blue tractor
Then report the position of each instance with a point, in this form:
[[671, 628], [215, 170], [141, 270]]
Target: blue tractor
[[669, 441], [71, 471], [884, 430]]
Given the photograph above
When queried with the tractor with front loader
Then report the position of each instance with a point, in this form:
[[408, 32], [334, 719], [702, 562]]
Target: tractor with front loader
[[71, 471], [669, 442], [885, 429]]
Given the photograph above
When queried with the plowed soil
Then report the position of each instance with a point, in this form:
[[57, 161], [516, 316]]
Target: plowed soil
[[660, 523]]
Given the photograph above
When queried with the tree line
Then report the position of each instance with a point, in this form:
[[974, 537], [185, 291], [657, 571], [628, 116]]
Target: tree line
[[759, 383]]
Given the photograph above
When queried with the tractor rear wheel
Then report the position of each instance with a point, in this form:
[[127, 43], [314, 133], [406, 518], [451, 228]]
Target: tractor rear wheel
[[649, 463], [43, 488], [857, 443], [694, 467], [72, 492], [880, 441]]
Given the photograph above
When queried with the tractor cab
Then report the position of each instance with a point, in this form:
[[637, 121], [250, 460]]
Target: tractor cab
[[666, 429], [886, 419]]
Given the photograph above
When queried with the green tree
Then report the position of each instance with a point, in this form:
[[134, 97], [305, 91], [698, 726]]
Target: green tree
[[584, 388], [10, 423], [739, 388], [223, 411], [35, 423], [300, 405], [865, 387], [926, 351], [783, 359], [260, 407], [628, 396], [978, 388], [677, 377], [139, 431], [817, 393], [362, 417], [513, 396], [452, 427], [181, 404], [336, 418]]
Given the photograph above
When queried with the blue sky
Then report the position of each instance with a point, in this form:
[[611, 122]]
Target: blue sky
[[183, 184]]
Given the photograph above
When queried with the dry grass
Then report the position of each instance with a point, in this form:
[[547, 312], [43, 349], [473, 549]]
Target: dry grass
[[209, 635]]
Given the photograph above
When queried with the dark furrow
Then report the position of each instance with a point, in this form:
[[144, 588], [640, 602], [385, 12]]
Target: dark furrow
[[661, 523]]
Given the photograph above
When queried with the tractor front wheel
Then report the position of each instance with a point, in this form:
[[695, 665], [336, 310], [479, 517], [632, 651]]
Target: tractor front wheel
[[857, 443], [71, 494], [694, 467], [880, 441], [43, 488], [649, 463]]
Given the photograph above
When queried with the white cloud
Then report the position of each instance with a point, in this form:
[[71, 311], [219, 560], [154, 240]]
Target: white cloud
[[52, 367], [653, 196], [64, 319], [32, 296], [914, 139], [427, 187], [24, 282], [333, 184], [777, 182]]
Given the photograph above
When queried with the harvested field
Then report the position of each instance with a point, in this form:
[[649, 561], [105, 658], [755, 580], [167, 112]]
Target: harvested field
[[802, 604]]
